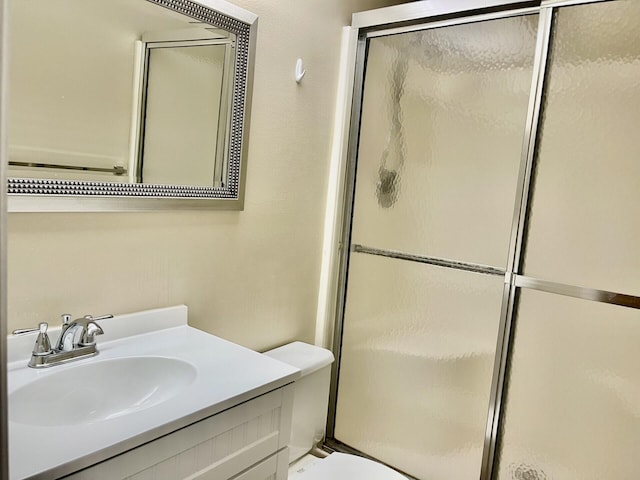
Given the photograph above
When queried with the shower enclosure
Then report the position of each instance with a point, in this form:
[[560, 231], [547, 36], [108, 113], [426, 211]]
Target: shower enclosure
[[488, 323]]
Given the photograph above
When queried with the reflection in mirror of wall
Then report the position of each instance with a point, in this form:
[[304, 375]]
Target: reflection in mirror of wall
[[128, 98]]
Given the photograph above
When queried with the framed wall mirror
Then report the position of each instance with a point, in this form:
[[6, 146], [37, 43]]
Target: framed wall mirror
[[128, 104]]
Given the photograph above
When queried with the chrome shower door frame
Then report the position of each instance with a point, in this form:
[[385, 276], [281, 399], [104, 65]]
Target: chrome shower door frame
[[431, 14], [4, 427]]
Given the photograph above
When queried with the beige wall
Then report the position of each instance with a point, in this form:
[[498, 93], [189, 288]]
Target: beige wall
[[251, 276]]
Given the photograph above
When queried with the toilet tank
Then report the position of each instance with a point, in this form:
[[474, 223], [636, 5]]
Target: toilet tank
[[311, 394]]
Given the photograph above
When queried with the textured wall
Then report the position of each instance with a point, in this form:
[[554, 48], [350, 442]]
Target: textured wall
[[251, 276]]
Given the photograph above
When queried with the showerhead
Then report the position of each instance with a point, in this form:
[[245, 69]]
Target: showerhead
[[387, 187]]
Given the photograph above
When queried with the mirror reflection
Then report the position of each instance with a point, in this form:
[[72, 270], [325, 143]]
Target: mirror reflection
[[118, 91], [184, 115]]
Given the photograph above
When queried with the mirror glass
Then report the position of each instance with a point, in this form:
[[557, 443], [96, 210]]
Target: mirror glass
[[126, 98], [181, 80]]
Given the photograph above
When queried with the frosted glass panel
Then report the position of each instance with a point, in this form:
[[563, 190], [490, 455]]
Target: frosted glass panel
[[584, 227], [443, 119], [417, 358], [573, 398]]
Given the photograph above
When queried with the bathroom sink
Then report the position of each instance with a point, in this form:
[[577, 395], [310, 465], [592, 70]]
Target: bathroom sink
[[153, 376], [99, 390]]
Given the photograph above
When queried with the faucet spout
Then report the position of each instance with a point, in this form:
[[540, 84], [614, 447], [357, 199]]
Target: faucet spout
[[80, 332]]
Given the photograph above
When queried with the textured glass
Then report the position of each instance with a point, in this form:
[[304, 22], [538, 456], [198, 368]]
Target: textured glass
[[417, 358], [584, 227], [573, 398], [443, 120]]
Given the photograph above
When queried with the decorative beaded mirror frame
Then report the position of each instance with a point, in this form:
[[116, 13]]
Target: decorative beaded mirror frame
[[36, 194]]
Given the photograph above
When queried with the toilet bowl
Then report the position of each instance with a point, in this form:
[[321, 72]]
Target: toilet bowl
[[342, 466], [311, 399]]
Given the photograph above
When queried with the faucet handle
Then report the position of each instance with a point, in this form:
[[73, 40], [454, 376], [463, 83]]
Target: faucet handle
[[66, 318], [91, 329], [43, 344], [101, 317], [26, 331]]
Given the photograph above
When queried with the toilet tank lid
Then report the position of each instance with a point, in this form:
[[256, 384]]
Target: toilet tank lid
[[308, 358]]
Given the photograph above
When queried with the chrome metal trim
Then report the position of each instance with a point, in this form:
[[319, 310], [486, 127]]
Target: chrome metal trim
[[189, 43], [98, 203], [35, 186], [204, 14], [497, 381], [584, 293], [4, 423], [247, 57], [482, 17], [62, 358], [220, 175], [137, 116], [222, 141], [142, 108], [440, 262], [426, 9], [232, 192], [569, 3], [115, 170], [503, 344], [529, 140], [349, 197]]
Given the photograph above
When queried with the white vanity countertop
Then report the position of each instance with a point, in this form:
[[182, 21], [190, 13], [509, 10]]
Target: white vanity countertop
[[226, 375]]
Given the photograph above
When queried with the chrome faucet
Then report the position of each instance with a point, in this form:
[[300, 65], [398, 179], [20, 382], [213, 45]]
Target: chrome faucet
[[78, 333], [77, 340]]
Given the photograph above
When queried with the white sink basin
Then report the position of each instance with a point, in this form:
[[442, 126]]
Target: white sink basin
[[99, 391]]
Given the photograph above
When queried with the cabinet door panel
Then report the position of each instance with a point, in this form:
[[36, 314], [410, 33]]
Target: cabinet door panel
[[219, 447]]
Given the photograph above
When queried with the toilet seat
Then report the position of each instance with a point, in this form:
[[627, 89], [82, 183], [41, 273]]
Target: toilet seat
[[342, 466]]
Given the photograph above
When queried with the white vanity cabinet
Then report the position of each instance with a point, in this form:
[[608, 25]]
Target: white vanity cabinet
[[161, 400], [246, 442]]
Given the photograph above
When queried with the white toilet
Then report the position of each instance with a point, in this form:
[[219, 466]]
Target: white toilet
[[310, 404]]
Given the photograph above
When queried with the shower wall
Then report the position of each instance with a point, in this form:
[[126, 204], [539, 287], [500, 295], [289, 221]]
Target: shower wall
[[442, 155]]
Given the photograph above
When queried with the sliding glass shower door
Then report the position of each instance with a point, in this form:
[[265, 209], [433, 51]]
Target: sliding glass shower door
[[572, 405], [443, 118], [490, 313]]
